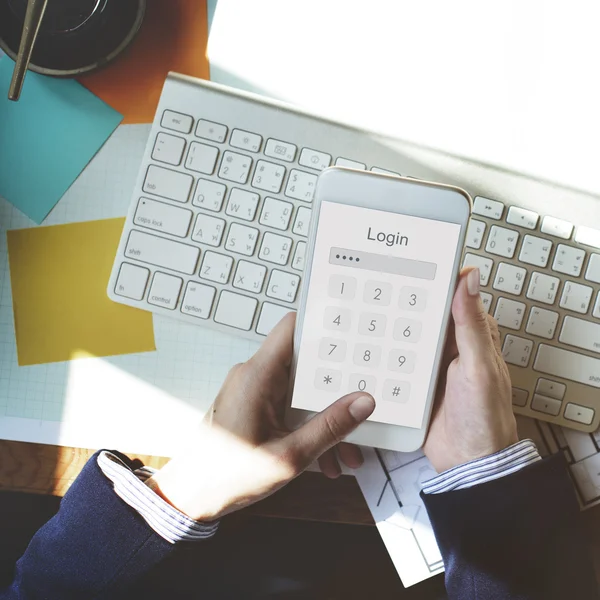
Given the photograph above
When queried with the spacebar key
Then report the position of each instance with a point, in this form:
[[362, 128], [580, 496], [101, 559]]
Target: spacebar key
[[162, 252], [570, 365]]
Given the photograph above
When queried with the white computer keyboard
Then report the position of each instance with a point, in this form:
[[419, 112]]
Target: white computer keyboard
[[216, 236]]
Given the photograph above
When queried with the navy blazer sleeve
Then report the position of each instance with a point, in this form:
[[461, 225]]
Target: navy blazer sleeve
[[94, 547], [517, 537]]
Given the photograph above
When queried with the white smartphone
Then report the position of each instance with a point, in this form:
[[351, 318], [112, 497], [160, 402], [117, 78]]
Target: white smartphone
[[382, 263]]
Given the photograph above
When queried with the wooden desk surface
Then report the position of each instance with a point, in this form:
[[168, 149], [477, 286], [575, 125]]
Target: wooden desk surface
[[43, 469]]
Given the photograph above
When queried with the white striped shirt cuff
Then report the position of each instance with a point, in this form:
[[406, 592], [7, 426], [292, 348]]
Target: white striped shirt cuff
[[171, 524], [484, 469]]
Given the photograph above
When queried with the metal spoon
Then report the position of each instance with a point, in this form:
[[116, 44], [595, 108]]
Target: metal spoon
[[31, 26]]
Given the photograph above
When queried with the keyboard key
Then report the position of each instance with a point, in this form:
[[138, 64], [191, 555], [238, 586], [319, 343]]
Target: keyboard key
[[362, 383], [216, 267], [314, 159], [198, 300], [270, 315], [241, 239], [201, 158], [568, 365], [556, 227], [413, 298], [568, 260], [596, 311], [268, 176], [509, 313], [337, 319], [488, 208], [384, 171], [281, 150], [579, 414], [328, 380], [509, 278], [580, 333], [302, 221], [350, 164], [592, 272], [235, 167], [396, 391], [485, 266], [299, 256], [522, 217], [165, 290], [301, 185], [402, 360], [367, 355], [517, 350], [332, 349], [208, 230], [377, 292], [486, 300], [283, 286], [549, 406], [242, 204], [342, 286], [132, 281], [551, 389], [519, 397], [535, 251], [543, 288], [164, 217], [588, 236], [407, 330], [502, 241], [176, 121], [372, 324], [475, 232], [542, 322], [275, 248], [211, 131], [244, 140], [168, 148], [209, 195], [235, 310], [276, 213], [162, 252], [249, 276], [167, 183], [576, 297]]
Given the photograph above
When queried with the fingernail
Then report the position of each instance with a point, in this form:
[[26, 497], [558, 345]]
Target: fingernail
[[362, 407], [473, 282]]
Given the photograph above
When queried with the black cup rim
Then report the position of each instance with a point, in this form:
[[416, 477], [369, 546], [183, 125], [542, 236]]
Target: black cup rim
[[132, 34]]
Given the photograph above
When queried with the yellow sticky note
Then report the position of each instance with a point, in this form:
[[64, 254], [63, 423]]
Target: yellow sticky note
[[58, 276]]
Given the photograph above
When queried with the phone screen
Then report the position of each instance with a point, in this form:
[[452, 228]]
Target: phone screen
[[379, 283]]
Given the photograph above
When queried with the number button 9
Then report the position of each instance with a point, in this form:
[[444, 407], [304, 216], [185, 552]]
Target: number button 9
[[372, 324], [402, 361], [407, 330], [378, 292], [412, 298]]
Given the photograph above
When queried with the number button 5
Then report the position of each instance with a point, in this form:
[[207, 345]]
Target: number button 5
[[372, 324], [332, 349], [402, 361], [337, 319], [341, 286], [378, 292], [407, 330], [366, 355], [412, 298]]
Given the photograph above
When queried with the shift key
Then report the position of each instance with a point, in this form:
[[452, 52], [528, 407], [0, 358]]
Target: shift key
[[569, 365], [161, 252]]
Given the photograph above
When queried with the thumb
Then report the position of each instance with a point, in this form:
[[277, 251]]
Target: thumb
[[471, 328], [329, 427]]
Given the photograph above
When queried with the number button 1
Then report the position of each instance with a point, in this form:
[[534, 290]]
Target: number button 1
[[366, 355], [377, 292], [407, 330], [337, 319], [402, 361], [372, 324], [342, 286], [332, 349], [362, 383], [412, 298]]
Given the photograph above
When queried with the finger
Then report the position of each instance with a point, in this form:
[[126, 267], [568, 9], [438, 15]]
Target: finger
[[471, 327], [350, 455], [278, 346], [328, 428], [495, 332], [329, 465]]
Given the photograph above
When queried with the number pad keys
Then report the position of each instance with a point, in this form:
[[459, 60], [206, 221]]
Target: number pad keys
[[407, 330], [412, 298], [328, 380], [372, 324], [396, 391], [342, 286], [332, 349], [362, 383], [337, 319], [377, 292], [367, 355], [402, 361]]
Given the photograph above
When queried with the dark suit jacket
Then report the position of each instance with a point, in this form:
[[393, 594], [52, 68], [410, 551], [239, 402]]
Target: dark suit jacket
[[516, 537]]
